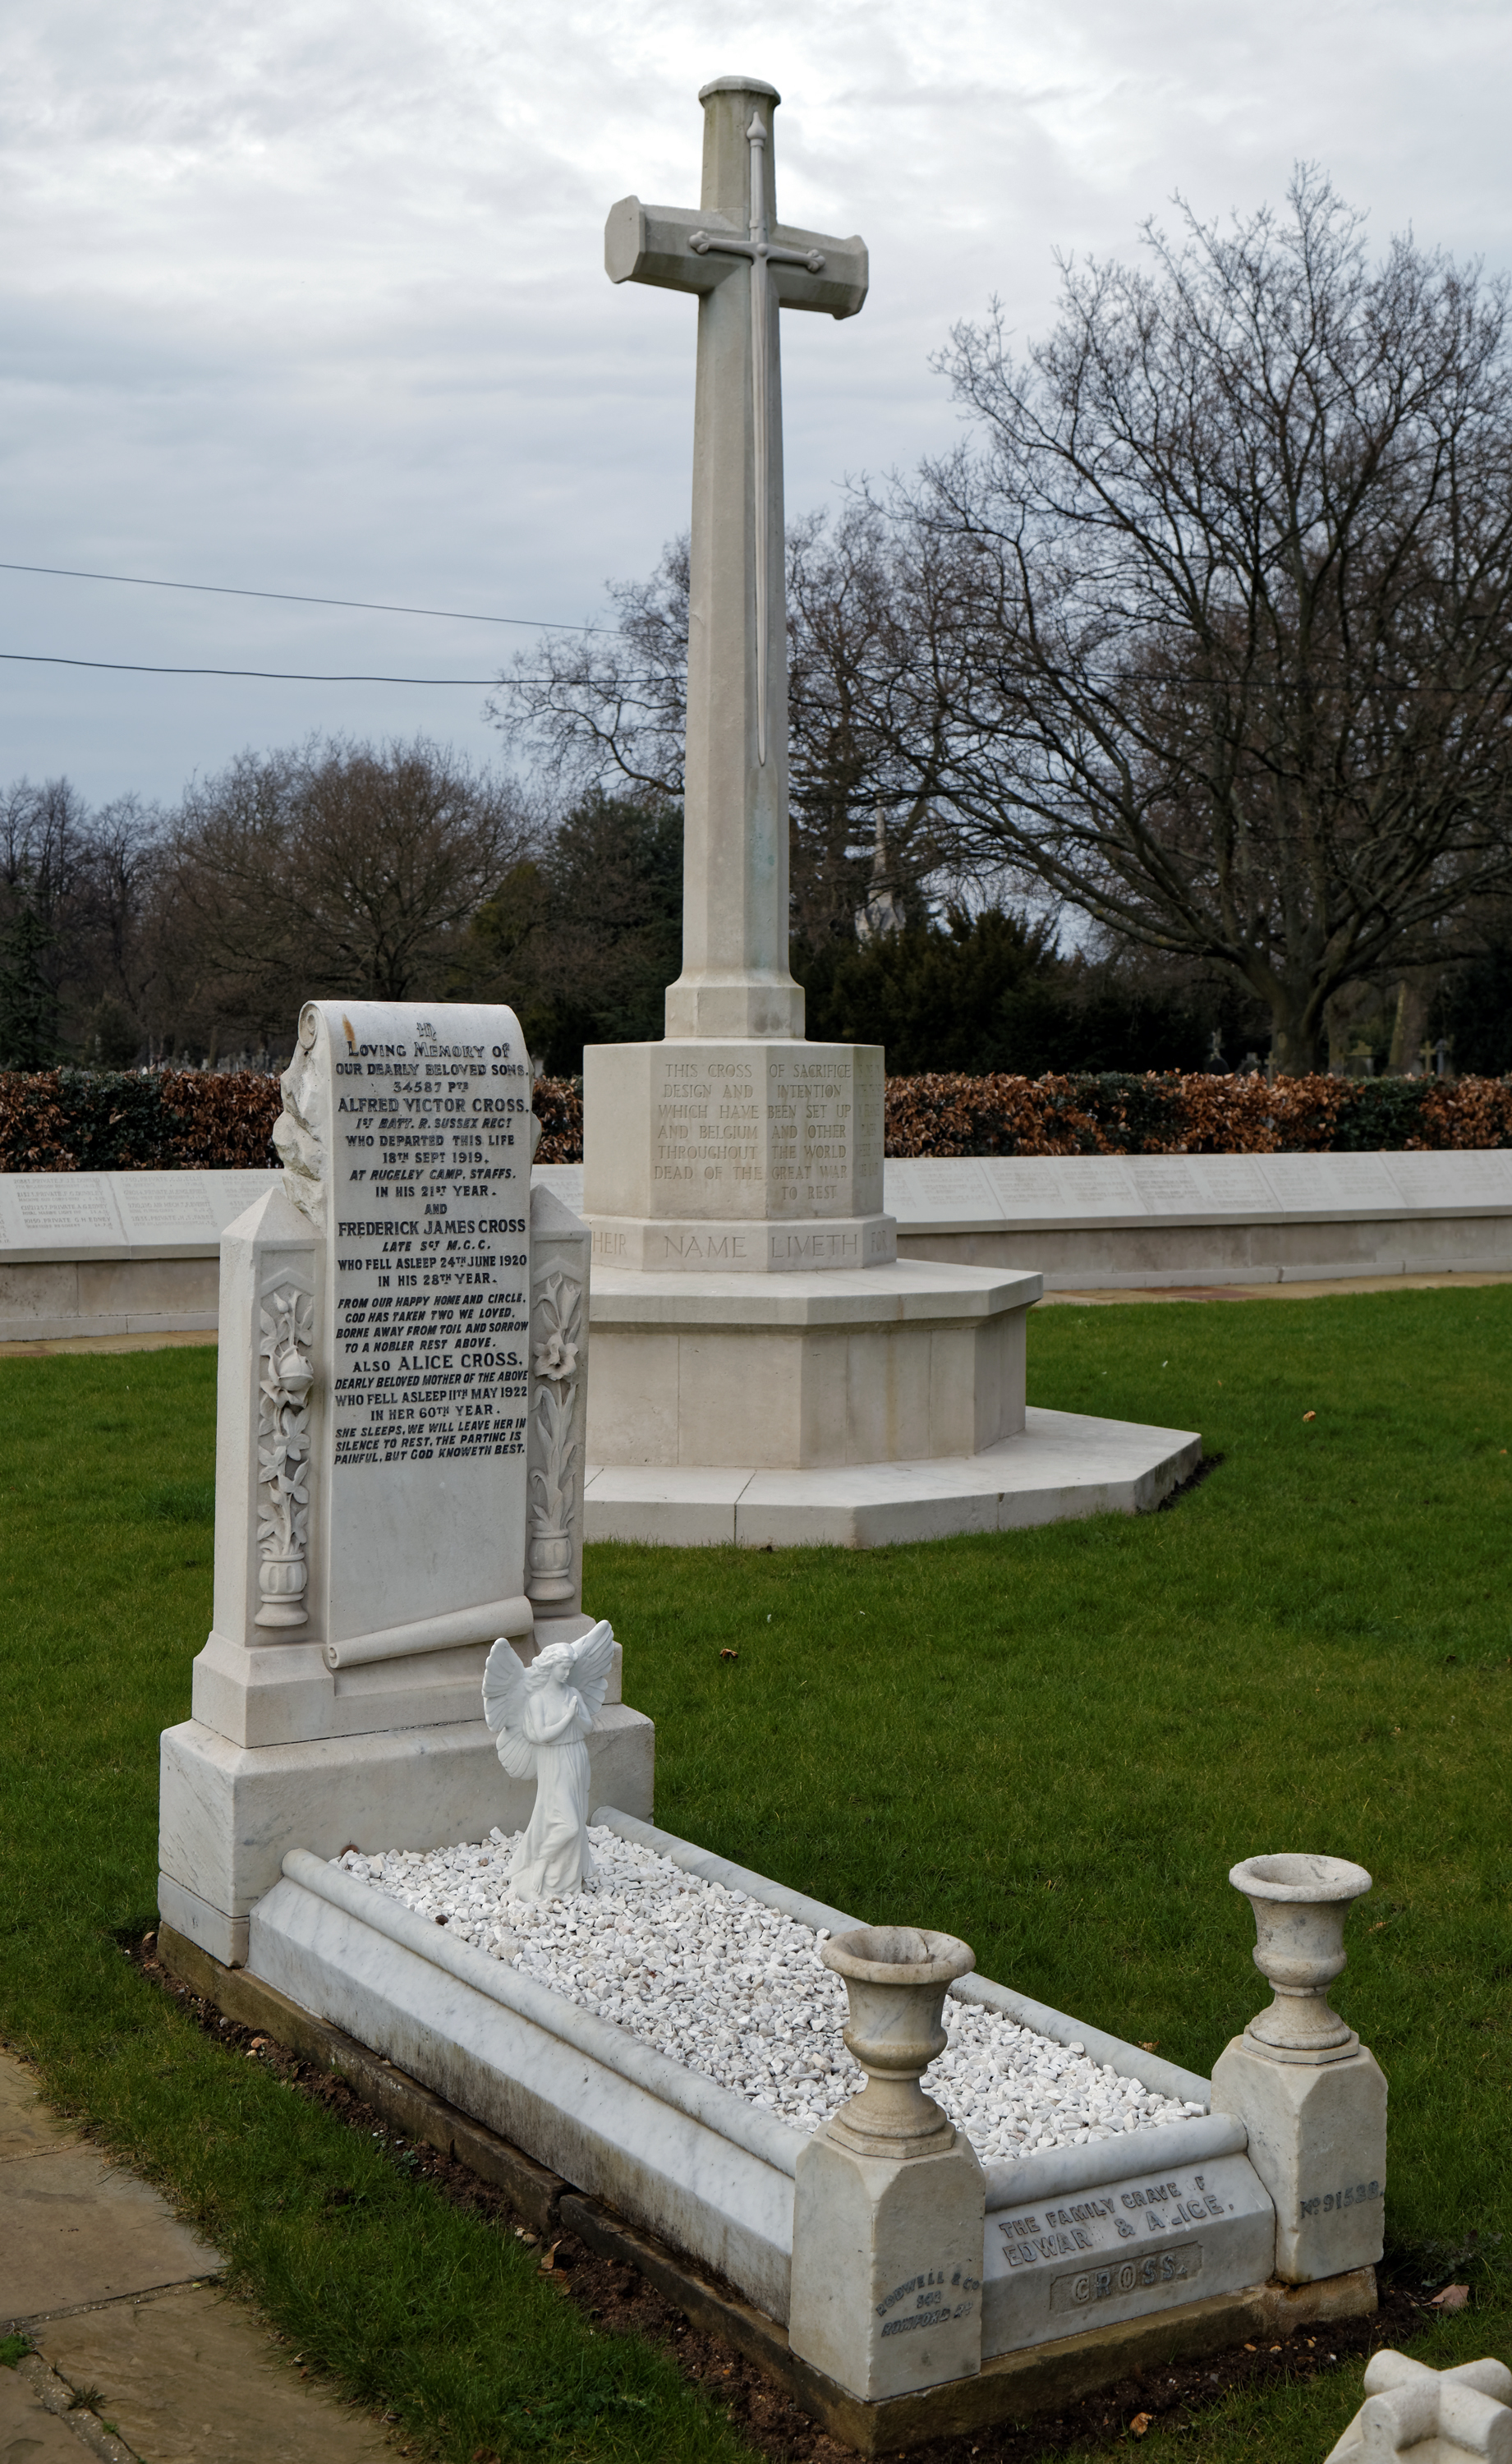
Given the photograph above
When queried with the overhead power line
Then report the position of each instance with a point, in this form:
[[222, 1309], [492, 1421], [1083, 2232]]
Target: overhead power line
[[270, 675], [304, 599]]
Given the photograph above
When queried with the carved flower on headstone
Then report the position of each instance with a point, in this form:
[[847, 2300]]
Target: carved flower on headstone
[[557, 1301]]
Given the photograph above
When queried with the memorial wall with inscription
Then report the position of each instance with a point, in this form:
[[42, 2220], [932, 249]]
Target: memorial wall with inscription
[[117, 1253]]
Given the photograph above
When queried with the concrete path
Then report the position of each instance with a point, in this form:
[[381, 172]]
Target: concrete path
[[136, 2353]]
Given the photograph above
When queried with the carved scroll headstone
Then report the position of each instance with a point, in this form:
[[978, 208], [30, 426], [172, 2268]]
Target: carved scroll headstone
[[375, 1383]]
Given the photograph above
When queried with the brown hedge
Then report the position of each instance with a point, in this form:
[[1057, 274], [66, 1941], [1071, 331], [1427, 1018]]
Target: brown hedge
[[87, 1120], [1195, 1115], [76, 1120]]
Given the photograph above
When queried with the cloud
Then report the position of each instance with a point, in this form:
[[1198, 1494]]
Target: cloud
[[311, 297]]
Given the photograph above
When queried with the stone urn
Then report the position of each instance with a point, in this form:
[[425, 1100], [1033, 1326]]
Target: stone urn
[[895, 1978], [1300, 1905]]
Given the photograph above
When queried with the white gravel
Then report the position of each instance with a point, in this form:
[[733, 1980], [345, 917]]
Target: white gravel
[[735, 1990]]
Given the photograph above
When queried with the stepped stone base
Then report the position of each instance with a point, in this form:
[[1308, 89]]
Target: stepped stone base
[[1061, 1465]]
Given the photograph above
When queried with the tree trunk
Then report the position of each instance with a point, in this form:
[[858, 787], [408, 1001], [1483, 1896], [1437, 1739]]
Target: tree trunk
[[1296, 1050]]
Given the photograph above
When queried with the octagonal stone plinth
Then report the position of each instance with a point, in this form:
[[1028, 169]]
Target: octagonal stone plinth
[[882, 1364]]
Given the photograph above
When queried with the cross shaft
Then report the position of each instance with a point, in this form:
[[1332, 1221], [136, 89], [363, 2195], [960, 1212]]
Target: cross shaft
[[742, 264]]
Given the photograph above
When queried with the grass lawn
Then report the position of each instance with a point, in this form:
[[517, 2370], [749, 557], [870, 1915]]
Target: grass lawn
[[1053, 1742]]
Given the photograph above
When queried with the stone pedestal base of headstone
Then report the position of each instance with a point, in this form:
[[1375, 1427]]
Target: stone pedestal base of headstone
[[888, 2268], [890, 2199]]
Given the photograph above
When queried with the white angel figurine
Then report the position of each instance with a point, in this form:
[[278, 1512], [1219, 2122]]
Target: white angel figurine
[[541, 1715]]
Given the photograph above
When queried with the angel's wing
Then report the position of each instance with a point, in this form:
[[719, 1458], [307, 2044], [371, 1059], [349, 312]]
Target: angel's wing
[[503, 1687], [592, 1660], [517, 1753]]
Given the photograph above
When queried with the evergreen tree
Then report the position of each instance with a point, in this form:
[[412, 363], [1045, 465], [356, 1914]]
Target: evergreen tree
[[28, 1006]]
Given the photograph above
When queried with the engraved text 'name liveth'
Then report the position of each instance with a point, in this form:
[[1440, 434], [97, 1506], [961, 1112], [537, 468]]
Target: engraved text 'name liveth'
[[433, 1195]]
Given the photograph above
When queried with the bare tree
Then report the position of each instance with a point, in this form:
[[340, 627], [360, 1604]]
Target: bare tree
[[1235, 570], [332, 868], [609, 717], [607, 714], [75, 886]]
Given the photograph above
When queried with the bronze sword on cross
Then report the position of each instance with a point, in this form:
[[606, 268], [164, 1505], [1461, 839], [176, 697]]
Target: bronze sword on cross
[[762, 252]]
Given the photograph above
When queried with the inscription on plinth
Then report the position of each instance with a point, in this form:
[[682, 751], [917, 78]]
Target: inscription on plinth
[[747, 1156], [793, 1131]]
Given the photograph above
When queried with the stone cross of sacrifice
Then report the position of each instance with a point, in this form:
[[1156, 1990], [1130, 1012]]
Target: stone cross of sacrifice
[[743, 265]]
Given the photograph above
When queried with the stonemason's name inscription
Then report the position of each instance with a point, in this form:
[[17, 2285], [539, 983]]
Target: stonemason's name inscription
[[933, 2298], [1110, 2217], [429, 1218]]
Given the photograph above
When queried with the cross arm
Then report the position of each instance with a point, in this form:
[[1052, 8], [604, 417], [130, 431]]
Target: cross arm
[[841, 290], [654, 244], [651, 244]]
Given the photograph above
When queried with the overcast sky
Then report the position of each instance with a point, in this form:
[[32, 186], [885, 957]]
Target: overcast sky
[[308, 294]]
